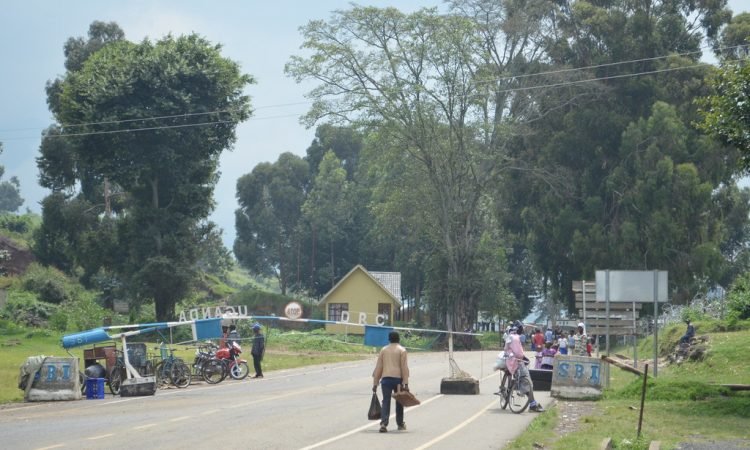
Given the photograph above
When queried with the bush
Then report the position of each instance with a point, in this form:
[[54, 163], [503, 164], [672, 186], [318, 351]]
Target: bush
[[16, 224], [49, 284], [24, 308], [738, 299], [82, 312]]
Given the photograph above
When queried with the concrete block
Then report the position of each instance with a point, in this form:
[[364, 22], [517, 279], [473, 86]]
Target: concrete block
[[578, 377], [56, 379], [606, 444], [459, 386], [137, 387], [654, 445]]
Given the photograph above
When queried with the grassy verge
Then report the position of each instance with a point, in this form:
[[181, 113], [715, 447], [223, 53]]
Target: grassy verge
[[683, 404]]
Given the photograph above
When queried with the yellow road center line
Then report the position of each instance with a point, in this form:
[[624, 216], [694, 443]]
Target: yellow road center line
[[143, 427]]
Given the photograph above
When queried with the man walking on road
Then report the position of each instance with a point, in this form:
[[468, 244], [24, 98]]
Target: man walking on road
[[391, 370]]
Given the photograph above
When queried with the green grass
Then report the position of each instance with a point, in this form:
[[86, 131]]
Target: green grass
[[683, 404]]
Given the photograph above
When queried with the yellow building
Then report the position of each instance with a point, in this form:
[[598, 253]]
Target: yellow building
[[362, 297]]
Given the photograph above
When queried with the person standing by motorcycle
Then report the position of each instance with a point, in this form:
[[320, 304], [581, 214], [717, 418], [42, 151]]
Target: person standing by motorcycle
[[518, 362], [391, 371], [232, 336], [258, 350]]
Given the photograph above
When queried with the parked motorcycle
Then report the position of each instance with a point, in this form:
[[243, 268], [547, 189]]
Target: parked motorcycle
[[236, 368]]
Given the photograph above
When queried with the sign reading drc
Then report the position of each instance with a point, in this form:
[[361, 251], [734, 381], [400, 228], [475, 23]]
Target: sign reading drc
[[346, 318], [578, 377]]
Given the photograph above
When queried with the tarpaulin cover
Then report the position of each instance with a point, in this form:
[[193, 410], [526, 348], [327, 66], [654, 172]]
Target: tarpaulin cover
[[207, 329], [376, 336]]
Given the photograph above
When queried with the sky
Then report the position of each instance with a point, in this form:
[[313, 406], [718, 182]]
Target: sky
[[260, 35]]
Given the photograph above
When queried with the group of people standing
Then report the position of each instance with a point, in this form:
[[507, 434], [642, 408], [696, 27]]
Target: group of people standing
[[575, 342]]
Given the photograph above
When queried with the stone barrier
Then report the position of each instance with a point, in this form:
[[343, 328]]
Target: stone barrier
[[578, 377], [56, 379]]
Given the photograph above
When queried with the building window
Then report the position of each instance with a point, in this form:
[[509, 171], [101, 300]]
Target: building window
[[385, 310], [335, 310]]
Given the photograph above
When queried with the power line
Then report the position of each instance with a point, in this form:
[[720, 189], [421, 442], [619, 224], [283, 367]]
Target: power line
[[494, 80], [610, 77], [611, 64], [128, 130]]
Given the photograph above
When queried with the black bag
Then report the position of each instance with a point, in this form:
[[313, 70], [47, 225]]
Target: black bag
[[374, 412]]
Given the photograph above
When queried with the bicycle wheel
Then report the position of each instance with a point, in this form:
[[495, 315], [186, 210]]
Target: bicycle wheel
[[517, 402], [504, 390], [213, 371], [115, 379], [239, 370], [162, 376], [180, 375]]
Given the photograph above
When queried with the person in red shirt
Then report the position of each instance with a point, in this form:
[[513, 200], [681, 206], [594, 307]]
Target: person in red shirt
[[588, 347], [538, 340]]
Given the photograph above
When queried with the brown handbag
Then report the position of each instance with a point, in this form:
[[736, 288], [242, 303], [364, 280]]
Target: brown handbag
[[405, 397]]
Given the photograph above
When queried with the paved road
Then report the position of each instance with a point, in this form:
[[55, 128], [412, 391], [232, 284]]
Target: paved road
[[314, 407]]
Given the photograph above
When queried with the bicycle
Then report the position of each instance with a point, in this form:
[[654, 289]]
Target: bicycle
[[117, 374], [509, 393], [171, 370], [138, 360]]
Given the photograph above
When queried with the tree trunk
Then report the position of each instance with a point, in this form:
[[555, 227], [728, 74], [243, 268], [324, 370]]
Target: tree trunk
[[164, 309]]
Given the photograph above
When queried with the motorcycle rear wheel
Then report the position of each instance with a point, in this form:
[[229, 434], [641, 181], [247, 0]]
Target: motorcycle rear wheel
[[213, 371]]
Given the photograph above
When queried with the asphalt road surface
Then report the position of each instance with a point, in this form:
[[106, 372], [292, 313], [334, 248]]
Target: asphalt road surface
[[315, 407]]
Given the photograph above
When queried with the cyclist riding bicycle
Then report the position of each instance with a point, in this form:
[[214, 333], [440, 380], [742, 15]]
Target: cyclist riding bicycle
[[519, 361]]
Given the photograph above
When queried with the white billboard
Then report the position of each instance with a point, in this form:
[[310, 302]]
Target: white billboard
[[632, 285]]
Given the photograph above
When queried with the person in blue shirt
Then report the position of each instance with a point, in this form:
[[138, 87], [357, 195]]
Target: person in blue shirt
[[689, 333]]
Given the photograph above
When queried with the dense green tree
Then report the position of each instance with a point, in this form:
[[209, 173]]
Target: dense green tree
[[150, 120], [727, 113], [735, 38], [429, 84], [328, 213], [10, 191], [268, 238], [623, 157]]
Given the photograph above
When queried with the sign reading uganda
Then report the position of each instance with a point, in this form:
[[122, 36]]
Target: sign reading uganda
[[293, 310]]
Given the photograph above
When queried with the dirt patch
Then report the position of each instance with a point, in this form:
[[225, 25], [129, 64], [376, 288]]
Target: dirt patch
[[570, 414]]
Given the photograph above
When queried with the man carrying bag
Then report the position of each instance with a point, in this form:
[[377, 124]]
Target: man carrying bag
[[392, 371]]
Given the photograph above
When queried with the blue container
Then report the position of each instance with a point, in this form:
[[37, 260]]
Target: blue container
[[94, 388]]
